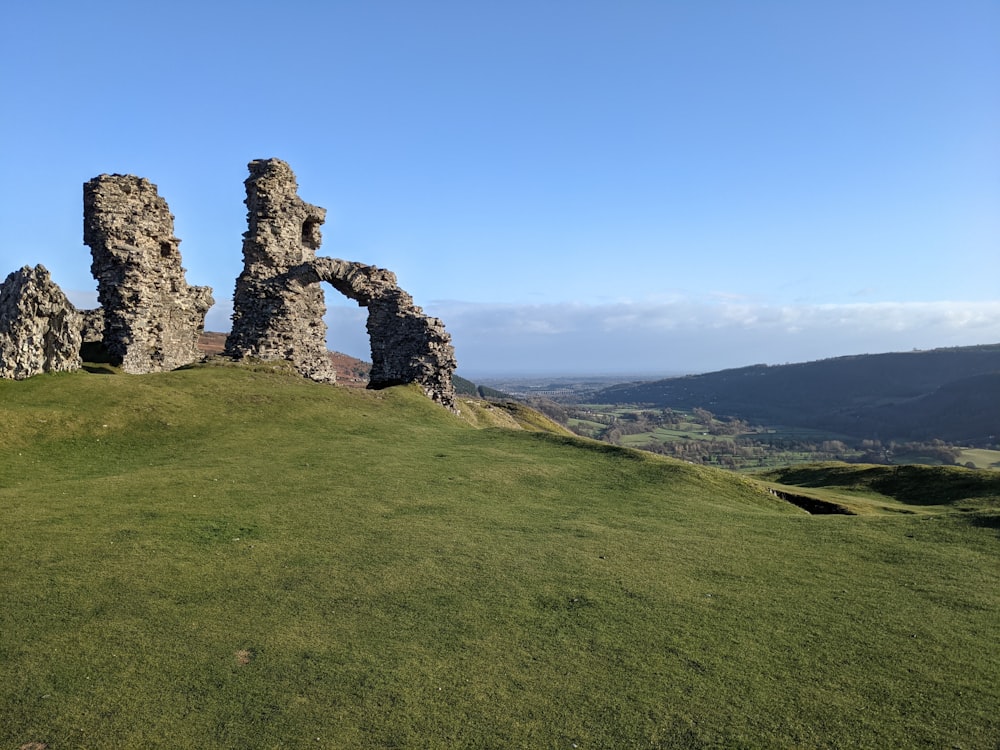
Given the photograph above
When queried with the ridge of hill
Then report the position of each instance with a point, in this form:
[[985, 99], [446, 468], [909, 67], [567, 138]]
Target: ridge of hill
[[351, 371], [907, 488], [233, 556], [941, 393]]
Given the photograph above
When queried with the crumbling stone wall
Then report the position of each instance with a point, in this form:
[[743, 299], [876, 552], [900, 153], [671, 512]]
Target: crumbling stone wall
[[92, 325], [278, 307], [152, 318], [407, 346], [275, 314], [39, 327]]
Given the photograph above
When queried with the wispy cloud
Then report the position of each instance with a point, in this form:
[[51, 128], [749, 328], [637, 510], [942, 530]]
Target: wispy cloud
[[694, 335], [667, 336]]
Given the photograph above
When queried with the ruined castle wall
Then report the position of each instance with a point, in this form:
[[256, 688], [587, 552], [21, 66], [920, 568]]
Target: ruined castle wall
[[92, 325], [279, 305], [152, 318], [275, 314], [39, 327], [407, 346]]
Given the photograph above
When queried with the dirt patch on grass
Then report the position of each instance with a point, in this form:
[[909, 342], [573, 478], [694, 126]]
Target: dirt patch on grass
[[33, 746], [244, 656]]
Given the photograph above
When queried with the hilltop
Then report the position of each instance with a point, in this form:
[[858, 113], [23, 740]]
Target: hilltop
[[950, 394], [351, 371], [235, 556]]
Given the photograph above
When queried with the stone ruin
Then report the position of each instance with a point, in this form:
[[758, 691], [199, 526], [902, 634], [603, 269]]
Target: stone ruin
[[39, 328], [150, 319], [407, 346], [278, 306], [275, 315]]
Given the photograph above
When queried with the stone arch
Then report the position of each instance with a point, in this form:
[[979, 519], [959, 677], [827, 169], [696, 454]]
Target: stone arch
[[278, 305], [407, 346]]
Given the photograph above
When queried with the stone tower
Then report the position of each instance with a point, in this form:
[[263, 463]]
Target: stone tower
[[275, 315], [152, 318]]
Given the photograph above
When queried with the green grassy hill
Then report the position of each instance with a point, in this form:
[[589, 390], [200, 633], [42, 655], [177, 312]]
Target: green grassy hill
[[867, 488], [235, 558]]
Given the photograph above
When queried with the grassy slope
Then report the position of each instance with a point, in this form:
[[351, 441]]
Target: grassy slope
[[219, 557], [981, 458], [902, 489]]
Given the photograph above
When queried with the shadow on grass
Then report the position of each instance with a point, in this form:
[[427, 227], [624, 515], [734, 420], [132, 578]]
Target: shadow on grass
[[911, 484], [98, 369], [985, 520]]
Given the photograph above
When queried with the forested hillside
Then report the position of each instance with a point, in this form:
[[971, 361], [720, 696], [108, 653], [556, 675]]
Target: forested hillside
[[952, 394]]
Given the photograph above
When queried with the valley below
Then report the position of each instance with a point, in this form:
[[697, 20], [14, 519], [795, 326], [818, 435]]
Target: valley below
[[940, 407]]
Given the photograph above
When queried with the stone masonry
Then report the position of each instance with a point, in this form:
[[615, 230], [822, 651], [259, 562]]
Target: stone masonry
[[407, 346], [152, 318], [39, 327], [278, 307], [276, 316]]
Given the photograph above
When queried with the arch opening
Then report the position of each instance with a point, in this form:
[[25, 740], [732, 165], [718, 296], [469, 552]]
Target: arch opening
[[279, 304]]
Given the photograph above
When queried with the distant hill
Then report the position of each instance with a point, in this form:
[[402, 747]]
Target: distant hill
[[965, 411], [212, 342], [952, 394]]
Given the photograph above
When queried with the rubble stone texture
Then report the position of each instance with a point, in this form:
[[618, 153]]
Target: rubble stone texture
[[278, 306], [276, 316], [39, 327], [407, 346], [152, 318], [92, 325]]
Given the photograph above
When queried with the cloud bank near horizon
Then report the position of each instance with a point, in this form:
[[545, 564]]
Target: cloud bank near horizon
[[671, 337], [698, 336]]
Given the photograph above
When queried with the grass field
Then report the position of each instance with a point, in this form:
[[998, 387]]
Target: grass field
[[981, 458], [909, 489], [234, 558]]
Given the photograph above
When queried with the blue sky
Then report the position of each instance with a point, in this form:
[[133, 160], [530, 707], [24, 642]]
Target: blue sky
[[573, 187]]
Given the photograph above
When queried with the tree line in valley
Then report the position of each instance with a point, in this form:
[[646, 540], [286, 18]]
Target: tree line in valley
[[701, 437]]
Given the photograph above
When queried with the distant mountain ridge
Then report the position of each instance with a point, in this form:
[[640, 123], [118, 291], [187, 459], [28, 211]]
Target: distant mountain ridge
[[952, 394]]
